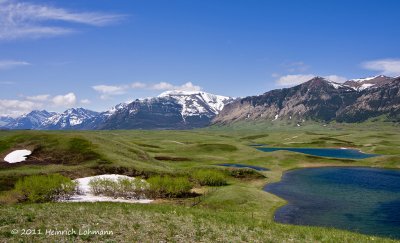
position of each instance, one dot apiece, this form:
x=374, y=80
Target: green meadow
x=236, y=211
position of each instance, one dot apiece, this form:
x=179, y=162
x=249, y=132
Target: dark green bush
x=209, y=177
x=244, y=173
x=166, y=186
x=45, y=188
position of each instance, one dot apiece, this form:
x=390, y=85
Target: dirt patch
x=254, y=137
x=167, y=158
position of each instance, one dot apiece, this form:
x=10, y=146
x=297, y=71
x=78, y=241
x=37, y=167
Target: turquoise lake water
x=324, y=152
x=365, y=200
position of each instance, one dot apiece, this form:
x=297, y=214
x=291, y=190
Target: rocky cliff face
x=318, y=99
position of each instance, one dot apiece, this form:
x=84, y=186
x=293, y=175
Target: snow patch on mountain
x=366, y=79
x=196, y=103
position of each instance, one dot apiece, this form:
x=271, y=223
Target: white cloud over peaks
x=290, y=80
x=16, y=108
x=390, y=67
x=189, y=86
x=336, y=78
x=294, y=79
x=162, y=86
x=66, y=100
x=7, y=64
x=107, y=91
x=29, y=20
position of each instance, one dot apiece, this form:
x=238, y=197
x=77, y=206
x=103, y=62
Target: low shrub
x=45, y=188
x=123, y=187
x=244, y=173
x=167, y=186
x=209, y=178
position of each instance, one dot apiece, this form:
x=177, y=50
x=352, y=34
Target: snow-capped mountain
x=32, y=120
x=195, y=103
x=360, y=84
x=74, y=118
x=170, y=110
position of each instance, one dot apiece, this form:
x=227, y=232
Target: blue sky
x=60, y=54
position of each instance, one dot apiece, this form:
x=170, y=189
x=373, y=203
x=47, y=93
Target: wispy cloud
x=294, y=79
x=85, y=102
x=390, y=67
x=296, y=67
x=28, y=20
x=8, y=64
x=44, y=97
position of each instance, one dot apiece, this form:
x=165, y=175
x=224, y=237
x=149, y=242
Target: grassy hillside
x=239, y=211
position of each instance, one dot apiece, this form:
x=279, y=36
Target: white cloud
x=66, y=100
x=44, y=97
x=390, y=67
x=336, y=78
x=162, y=86
x=293, y=79
x=85, y=101
x=7, y=64
x=189, y=86
x=138, y=85
x=28, y=20
x=16, y=108
x=110, y=90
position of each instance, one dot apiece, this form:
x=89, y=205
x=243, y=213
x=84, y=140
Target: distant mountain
x=4, y=120
x=33, y=120
x=320, y=100
x=74, y=118
x=170, y=110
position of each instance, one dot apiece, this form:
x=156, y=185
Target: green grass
x=237, y=212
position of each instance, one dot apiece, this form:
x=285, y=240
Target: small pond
x=365, y=200
x=341, y=153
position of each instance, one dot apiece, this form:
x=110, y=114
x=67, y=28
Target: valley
x=238, y=211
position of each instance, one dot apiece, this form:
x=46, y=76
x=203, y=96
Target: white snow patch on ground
x=86, y=195
x=17, y=156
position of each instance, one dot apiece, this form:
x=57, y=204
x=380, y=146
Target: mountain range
x=318, y=99
x=321, y=100
x=170, y=110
